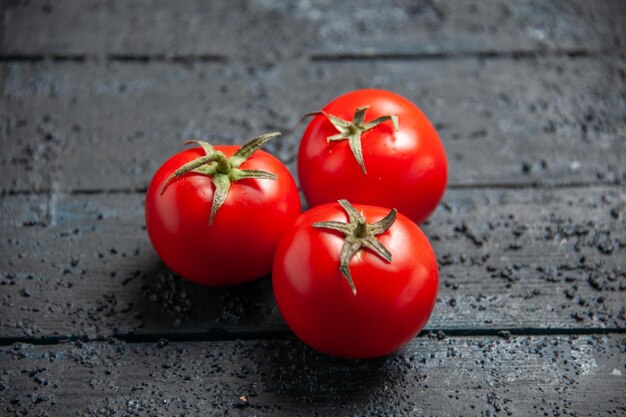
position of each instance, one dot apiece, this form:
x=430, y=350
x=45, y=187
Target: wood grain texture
x=581, y=376
x=85, y=126
x=265, y=31
x=82, y=266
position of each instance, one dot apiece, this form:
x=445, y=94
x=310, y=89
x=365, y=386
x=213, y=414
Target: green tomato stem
x=359, y=234
x=354, y=129
x=223, y=171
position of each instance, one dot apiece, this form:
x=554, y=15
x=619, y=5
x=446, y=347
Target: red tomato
x=406, y=169
x=393, y=300
x=240, y=243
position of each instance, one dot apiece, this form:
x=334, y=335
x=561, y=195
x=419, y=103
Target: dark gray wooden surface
x=495, y=108
x=529, y=99
x=526, y=258
x=521, y=375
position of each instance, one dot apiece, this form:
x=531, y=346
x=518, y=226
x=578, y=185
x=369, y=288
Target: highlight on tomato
x=355, y=281
x=215, y=214
x=373, y=147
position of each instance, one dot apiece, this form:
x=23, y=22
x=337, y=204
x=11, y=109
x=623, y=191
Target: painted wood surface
x=82, y=265
x=75, y=126
x=540, y=375
x=269, y=30
x=528, y=98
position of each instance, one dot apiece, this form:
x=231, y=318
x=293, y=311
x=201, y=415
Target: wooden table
x=528, y=97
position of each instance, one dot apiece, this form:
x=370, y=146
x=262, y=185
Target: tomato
x=218, y=223
x=351, y=290
x=351, y=150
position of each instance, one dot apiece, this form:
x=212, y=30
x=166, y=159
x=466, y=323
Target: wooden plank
x=84, y=126
x=509, y=259
x=88, y=106
x=26, y=210
x=507, y=122
x=539, y=375
x=266, y=31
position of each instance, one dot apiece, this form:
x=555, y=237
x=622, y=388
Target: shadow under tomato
x=295, y=374
x=167, y=302
x=289, y=372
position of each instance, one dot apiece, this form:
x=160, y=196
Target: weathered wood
x=523, y=376
x=95, y=94
x=275, y=30
x=85, y=126
x=517, y=259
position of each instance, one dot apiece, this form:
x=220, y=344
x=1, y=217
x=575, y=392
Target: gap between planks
x=315, y=56
x=226, y=336
x=422, y=56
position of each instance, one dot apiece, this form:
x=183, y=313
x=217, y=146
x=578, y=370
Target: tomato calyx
x=222, y=170
x=352, y=130
x=359, y=234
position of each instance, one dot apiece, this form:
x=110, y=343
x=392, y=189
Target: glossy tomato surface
x=405, y=169
x=393, y=300
x=239, y=246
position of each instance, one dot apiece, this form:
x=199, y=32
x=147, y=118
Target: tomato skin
x=393, y=301
x=239, y=246
x=406, y=170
